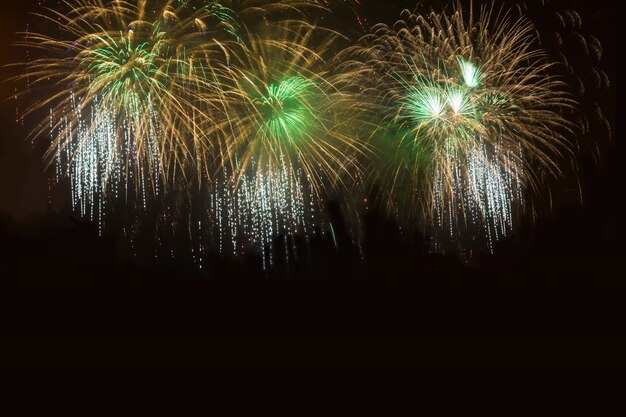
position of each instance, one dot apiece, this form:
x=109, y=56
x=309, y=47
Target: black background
x=547, y=298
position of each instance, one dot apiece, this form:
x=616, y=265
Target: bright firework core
x=284, y=109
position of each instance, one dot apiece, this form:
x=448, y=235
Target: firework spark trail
x=89, y=148
x=251, y=214
x=463, y=112
x=484, y=190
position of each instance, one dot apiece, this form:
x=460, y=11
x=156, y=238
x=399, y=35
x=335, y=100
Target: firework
x=122, y=81
x=465, y=116
x=281, y=146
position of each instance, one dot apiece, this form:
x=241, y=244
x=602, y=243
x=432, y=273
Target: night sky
x=547, y=298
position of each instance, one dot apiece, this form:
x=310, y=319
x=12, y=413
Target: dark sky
x=554, y=283
x=23, y=184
